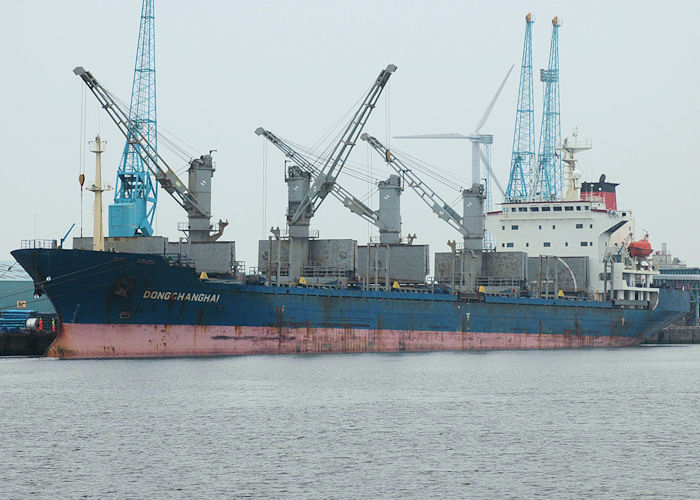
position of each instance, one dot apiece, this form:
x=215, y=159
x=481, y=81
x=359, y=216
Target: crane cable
x=337, y=127
x=387, y=116
x=81, y=166
x=370, y=190
x=353, y=169
x=172, y=143
x=264, y=189
x=439, y=174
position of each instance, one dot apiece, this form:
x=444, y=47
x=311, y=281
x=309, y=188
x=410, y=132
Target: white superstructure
x=578, y=228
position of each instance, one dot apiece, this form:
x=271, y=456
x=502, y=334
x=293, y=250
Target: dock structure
x=687, y=278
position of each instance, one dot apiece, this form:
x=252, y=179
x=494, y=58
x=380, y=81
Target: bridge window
x=509, y=245
x=578, y=207
x=534, y=209
x=553, y=226
x=522, y=209
x=569, y=209
x=584, y=243
x=545, y=209
x=579, y=226
x=557, y=209
x=514, y=228
x=547, y=244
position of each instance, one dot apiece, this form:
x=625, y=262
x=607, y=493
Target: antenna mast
x=98, y=237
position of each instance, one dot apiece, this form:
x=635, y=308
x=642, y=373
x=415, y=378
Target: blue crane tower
x=136, y=194
x=550, y=182
x=522, y=162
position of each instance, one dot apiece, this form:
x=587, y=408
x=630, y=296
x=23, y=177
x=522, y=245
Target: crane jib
x=341, y=194
x=344, y=146
x=438, y=205
x=166, y=177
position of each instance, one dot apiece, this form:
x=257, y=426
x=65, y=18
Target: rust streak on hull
x=127, y=341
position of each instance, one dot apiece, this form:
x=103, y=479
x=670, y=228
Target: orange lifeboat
x=641, y=248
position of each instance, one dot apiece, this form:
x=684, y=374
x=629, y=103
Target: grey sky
x=629, y=80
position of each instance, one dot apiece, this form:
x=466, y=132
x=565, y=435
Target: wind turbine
x=477, y=140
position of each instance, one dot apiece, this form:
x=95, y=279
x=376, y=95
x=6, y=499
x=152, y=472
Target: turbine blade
x=433, y=136
x=493, y=175
x=492, y=103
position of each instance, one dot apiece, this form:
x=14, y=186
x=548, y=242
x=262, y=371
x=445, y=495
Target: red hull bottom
x=136, y=341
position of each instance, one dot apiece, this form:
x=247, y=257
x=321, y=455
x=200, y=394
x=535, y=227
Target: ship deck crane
x=438, y=205
x=344, y=196
x=308, y=185
x=470, y=225
x=324, y=181
x=166, y=177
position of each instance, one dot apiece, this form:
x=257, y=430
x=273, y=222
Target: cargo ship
x=558, y=272
x=121, y=303
x=145, y=305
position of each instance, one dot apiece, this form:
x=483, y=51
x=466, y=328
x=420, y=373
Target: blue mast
x=136, y=194
x=549, y=168
x=523, y=158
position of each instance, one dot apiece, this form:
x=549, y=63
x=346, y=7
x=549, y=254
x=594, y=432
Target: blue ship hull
x=134, y=305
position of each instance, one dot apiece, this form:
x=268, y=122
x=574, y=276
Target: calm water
x=591, y=423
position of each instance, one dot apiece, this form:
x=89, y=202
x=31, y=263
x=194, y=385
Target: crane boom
x=147, y=151
x=323, y=184
x=344, y=196
x=430, y=197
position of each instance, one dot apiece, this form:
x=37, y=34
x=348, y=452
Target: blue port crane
x=136, y=194
x=522, y=162
x=549, y=178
